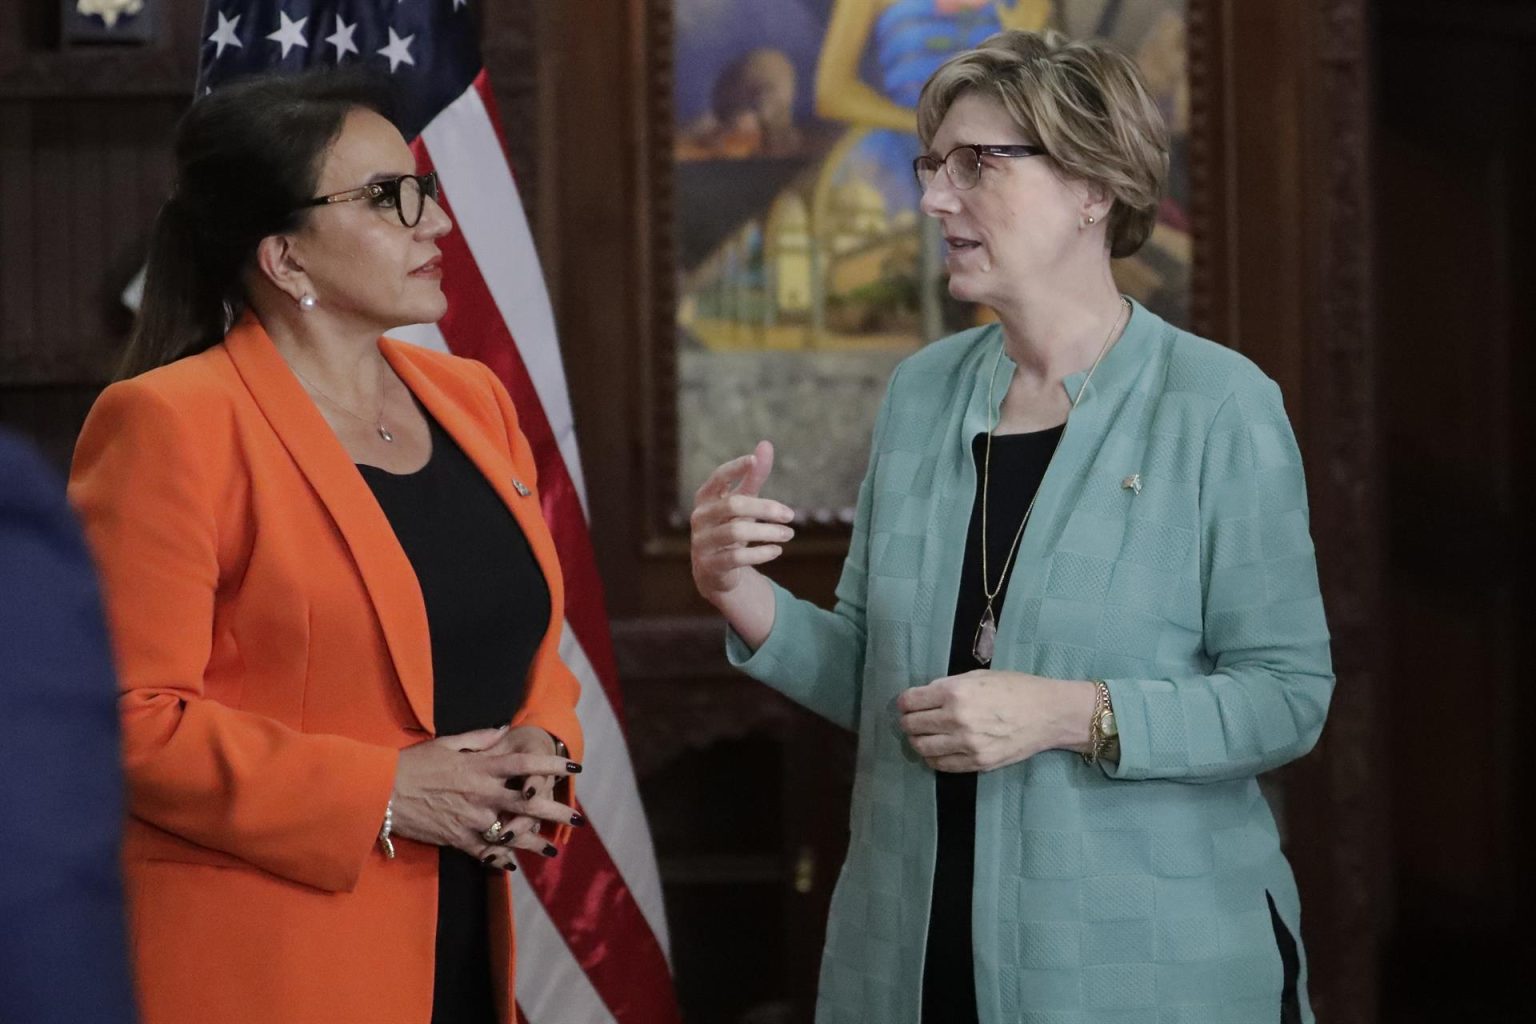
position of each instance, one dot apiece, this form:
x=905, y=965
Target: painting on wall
x=801, y=269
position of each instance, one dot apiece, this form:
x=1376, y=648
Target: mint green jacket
x=1152, y=890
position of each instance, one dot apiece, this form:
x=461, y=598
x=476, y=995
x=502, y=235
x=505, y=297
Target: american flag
x=591, y=934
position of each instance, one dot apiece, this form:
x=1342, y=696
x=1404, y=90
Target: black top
x=1018, y=465
x=487, y=609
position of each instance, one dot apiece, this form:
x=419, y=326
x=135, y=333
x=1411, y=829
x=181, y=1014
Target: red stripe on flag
x=608, y=934
x=476, y=330
x=584, y=893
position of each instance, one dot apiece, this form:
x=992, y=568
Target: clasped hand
x=449, y=791
x=982, y=720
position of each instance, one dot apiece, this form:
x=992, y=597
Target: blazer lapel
x=381, y=562
x=479, y=445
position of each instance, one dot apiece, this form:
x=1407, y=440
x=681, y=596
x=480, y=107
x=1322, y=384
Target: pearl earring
x=1089, y=221
x=308, y=303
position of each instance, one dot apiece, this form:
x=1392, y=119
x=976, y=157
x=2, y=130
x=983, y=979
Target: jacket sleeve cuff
x=811, y=656
x=767, y=663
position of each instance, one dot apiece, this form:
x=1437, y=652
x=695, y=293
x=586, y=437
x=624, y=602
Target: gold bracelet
x=1098, y=741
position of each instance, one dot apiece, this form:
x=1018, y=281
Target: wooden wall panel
x=50, y=416
x=1456, y=176
x=83, y=180
x=84, y=163
x=509, y=47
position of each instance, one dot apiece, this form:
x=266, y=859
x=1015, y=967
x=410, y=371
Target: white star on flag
x=290, y=33
x=342, y=38
x=398, y=51
x=224, y=35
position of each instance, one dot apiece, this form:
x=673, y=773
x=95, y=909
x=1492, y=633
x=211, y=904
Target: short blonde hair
x=1083, y=102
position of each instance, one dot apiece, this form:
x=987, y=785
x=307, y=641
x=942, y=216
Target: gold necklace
x=985, y=644
x=377, y=423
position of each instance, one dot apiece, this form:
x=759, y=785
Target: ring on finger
x=535, y=829
x=494, y=833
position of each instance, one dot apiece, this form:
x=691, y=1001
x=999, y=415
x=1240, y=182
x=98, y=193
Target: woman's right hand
x=450, y=789
x=734, y=530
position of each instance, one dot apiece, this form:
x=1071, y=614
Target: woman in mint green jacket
x=1079, y=613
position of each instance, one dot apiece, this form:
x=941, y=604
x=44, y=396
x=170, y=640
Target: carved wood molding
x=657, y=258
x=1210, y=298
x=682, y=695
x=1346, y=858
x=672, y=647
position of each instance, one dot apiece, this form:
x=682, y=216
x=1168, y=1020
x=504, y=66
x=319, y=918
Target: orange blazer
x=274, y=657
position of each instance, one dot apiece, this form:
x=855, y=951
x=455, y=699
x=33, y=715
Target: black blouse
x=488, y=607
x=1019, y=462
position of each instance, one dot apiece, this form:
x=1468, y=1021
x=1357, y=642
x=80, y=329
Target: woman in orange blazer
x=335, y=604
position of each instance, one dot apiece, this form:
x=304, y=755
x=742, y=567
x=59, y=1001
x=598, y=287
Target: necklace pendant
x=985, y=644
x=385, y=434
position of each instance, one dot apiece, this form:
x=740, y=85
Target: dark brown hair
x=246, y=157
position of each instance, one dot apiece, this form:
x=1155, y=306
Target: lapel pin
x=1132, y=483
x=520, y=487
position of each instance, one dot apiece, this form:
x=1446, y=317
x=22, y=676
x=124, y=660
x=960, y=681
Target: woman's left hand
x=987, y=719
x=537, y=790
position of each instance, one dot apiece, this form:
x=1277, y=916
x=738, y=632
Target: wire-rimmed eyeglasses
x=963, y=163
x=407, y=195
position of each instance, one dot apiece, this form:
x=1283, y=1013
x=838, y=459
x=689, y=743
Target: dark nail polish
x=549, y=850
x=528, y=793
x=578, y=821
x=573, y=767
x=487, y=858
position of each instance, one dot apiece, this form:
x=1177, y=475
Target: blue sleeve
x=63, y=956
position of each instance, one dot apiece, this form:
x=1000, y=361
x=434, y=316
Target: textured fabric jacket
x=274, y=656
x=1152, y=890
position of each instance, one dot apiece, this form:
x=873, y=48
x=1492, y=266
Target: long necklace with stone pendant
x=985, y=643
x=984, y=646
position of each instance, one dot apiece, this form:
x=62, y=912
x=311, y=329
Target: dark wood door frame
x=1283, y=260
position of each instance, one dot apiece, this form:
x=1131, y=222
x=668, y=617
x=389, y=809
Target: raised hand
x=735, y=530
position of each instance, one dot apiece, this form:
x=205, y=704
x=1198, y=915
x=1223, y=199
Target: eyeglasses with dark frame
x=963, y=163
x=407, y=195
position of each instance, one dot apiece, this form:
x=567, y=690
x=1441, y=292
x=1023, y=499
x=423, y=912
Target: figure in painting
x=751, y=112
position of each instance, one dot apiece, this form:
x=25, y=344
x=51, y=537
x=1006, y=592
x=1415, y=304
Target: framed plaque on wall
x=106, y=21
